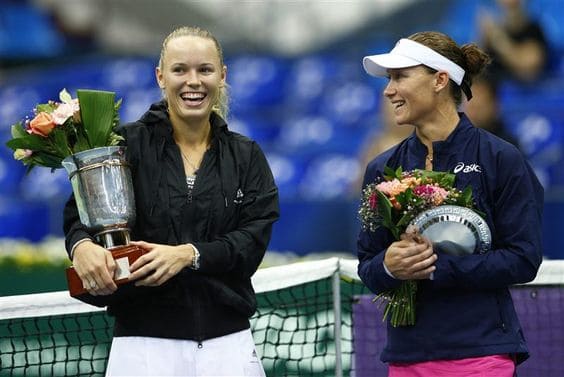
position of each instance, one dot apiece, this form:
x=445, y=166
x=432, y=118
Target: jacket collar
x=462, y=128
x=158, y=117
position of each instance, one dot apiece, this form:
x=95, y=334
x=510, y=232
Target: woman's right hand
x=410, y=259
x=96, y=267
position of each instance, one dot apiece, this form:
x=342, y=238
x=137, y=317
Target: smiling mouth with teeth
x=195, y=97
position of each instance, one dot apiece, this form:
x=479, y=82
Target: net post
x=338, y=323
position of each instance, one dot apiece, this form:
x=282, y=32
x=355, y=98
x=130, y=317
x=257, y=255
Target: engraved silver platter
x=454, y=230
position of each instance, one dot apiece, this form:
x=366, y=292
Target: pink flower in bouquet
x=373, y=201
x=392, y=188
x=431, y=193
x=62, y=128
x=65, y=110
x=42, y=124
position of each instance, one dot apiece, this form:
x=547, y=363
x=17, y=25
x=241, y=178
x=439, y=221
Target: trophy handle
x=124, y=257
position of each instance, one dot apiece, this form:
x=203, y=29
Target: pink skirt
x=487, y=366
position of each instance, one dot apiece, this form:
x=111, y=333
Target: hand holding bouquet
x=393, y=202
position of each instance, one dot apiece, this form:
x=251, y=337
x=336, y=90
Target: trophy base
x=124, y=257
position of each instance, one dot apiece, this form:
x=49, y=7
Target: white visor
x=408, y=53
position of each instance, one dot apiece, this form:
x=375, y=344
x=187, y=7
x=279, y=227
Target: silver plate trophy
x=454, y=230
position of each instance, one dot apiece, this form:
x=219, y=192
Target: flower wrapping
x=62, y=128
x=392, y=202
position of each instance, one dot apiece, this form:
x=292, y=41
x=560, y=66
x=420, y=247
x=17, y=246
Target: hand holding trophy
x=103, y=191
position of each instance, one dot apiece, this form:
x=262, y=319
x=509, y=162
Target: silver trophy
x=103, y=190
x=454, y=230
x=102, y=186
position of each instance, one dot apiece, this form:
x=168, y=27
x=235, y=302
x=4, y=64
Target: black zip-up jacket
x=228, y=218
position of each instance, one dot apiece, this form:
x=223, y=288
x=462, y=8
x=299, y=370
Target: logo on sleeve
x=469, y=168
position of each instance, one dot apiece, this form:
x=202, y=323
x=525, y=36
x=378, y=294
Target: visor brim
x=377, y=65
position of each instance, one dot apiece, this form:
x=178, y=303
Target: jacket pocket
x=224, y=215
x=501, y=312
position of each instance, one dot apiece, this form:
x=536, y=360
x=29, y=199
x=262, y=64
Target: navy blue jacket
x=466, y=310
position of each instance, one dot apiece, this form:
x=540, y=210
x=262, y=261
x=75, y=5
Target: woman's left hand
x=159, y=263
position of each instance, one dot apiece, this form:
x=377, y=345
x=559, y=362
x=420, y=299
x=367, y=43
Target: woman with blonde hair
x=205, y=204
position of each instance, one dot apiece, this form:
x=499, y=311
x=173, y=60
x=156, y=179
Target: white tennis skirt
x=229, y=355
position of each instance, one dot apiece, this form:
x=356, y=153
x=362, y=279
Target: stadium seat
x=308, y=78
x=287, y=171
x=255, y=81
x=329, y=176
x=26, y=31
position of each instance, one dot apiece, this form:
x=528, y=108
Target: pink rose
x=64, y=111
x=433, y=194
x=392, y=188
x=42, y=124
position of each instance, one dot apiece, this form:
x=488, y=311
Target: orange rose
x=42, y=124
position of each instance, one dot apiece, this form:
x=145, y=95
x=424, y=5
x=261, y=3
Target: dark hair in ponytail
x=468, y=56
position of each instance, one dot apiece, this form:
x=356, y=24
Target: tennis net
x=313, y=319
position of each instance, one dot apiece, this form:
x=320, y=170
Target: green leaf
x=81, y=143
x=467, y=196
x=97, y=110
x=389, y=173
x=399, y=172
x=28, y=141
x=385, y=211
x=447, y=180
x=60, y=142
x=404, y=220
x=115, y=139
x=18, y=130
x=444, y=179
x=46, y=159
x=45, y=108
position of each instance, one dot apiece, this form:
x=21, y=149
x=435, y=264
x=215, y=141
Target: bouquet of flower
x=393, y=202
x=60, y=129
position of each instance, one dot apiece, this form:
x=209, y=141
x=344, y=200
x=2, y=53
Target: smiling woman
x=205, y=203
x=428, y=73
x=192, y=76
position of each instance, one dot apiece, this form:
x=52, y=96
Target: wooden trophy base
x=124, y=257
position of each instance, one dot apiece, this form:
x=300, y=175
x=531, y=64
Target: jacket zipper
x=200, y=336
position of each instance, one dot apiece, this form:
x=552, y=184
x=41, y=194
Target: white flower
x=64, y=111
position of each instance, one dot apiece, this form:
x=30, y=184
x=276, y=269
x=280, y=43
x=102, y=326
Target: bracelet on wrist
x=196, y=260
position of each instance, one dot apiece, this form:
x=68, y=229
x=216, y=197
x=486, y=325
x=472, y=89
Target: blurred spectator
x=484, y=108
x=77, y=20
x=386, y=135
x=516, y=43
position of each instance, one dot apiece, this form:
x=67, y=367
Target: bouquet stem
x=400, y=304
